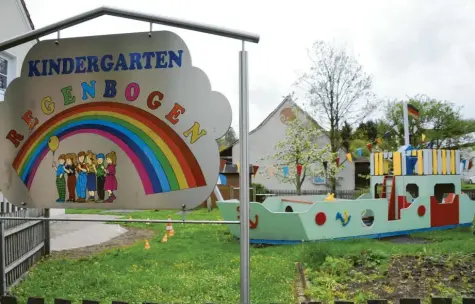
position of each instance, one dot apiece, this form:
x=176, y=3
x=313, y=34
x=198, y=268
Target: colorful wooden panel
x=427, y=157
x=376, y=163
x=381, y=163
x=371, y=164
x=443, y=162
x=435, y=169
x=452, y=162
x=420, y=163
x=457, y=162
x=397, y=163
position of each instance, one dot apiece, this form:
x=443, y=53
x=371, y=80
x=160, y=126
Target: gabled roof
x=27, y=13
x=288, y=98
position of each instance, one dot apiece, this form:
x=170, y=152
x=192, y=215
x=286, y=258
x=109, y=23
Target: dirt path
x=126, y=239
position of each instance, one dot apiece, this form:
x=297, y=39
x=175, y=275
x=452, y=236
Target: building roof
x=287, y=98
x=27, y=13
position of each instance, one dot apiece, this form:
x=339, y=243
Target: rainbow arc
x=163, y=161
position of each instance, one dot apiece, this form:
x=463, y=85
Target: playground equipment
x=411, y=191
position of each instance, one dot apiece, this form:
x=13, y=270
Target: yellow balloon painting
x=53, y=143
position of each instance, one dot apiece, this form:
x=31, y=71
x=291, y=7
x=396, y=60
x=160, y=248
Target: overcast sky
x=410, y=47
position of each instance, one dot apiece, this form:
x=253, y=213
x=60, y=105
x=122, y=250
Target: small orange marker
x=169, y=228
x=165, y=238
x=147, y=244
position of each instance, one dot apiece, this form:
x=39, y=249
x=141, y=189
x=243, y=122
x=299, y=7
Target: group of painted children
x=95, y=173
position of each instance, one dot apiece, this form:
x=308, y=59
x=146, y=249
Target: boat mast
x=406, y=124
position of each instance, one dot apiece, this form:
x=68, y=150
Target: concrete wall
x=263, y=141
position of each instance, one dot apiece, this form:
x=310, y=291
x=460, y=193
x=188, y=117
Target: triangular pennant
x=396, y=128
x=299, y=169
x=238, y=167
x=286, y=171
x=359, y=151
x=349, y=157
x=470, y=164
x=337, y=161
x=254, y=169
x=379, y=141
x=423, y=137
x=387, y=134
x=370, y=147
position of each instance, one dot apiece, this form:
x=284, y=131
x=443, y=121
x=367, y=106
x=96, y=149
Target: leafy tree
x=367, y=130
x=228, y=139
x=298, y=147
x=440, y=121
x=346, y=133
x=337, y=90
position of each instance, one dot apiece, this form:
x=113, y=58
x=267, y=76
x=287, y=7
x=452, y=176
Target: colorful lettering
x=29, y=119
x=195, y=132
x=110, y=90
x=14, y=137
x=152, y=102
x=88, y=89
x=68, y=97
x=176, y=111
x=47, y=105
x=132, y=91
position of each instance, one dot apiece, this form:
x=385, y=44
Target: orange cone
x=169, y=228
x=147, y=244
x=165, y=238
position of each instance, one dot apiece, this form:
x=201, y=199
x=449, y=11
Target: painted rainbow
x=162, y=159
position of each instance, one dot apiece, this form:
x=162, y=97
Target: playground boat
x=411, y=191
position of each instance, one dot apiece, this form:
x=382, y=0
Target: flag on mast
x=413, y=111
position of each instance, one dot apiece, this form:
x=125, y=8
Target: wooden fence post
x=46, y=227
x=3, y=277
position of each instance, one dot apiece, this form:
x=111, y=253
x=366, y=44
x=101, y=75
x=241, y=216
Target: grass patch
x=201, y=264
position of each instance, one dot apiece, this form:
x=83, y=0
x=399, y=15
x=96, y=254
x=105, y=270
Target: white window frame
x=11, y=71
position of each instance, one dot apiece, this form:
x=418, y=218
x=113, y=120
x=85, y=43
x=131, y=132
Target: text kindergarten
x=131, y=92
x=106, y=63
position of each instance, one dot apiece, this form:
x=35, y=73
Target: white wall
x=13, y=22
x=263, y=141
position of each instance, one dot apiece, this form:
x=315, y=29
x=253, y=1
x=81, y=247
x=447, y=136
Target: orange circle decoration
x=421, y=211
x=320, y=218
x=286, y=115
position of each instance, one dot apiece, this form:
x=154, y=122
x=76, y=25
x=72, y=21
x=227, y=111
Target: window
x=413, y=191
x=3, y=73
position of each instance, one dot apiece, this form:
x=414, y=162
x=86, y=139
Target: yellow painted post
x=376, y=163
x=381, y=163
x=452, y=161
x=420, y=163
x=434, y=162
x=397, y=163
x=444, y=162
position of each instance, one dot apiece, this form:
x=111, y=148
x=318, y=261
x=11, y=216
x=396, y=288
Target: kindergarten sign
x=117, y=121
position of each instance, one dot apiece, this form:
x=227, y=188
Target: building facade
x=262, y=141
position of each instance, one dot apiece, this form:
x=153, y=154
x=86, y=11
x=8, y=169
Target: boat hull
x=310, y=218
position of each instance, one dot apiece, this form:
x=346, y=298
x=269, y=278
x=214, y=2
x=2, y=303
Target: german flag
x=413, y=111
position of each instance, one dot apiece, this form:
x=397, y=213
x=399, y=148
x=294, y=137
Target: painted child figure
x=60, y=179
x=70, y=169
x=82, y=178
x=101, y=176
x=111, y=180
x=91, y=175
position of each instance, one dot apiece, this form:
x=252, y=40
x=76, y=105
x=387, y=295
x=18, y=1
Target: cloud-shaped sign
x=117, y=121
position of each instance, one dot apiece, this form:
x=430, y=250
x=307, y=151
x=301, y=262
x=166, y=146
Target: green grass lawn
x=201, y=264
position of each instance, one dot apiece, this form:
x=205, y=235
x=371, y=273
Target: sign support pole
x=244, y=174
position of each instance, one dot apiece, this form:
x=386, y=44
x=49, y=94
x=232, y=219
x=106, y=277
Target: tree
x=346, y=134
x=228, y=139
x=299, y=147
x=440, y=121
x=367, y=130
x=337, y=90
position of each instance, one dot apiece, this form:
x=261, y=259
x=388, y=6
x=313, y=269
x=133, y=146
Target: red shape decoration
x=299, y=170
x=254, y=169
x=421, y=210
x=320, y=218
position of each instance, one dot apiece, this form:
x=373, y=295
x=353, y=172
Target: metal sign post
x=244, y=107
x=244, y=174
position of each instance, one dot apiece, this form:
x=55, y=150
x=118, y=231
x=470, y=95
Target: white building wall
x=262, y=143
x=13, y=22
